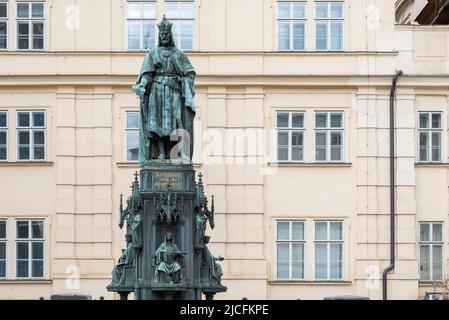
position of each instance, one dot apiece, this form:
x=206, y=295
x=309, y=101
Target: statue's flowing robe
x=169, y=97
x=215, y=269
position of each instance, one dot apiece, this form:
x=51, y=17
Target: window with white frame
x=290, y=136
x=30, y=25
x=290, y=242
x=291, y=25
x=31, y=134
x=328, y=250
x=329, y=25
x=430, y=132
x=141, y=25
x=182, y=15
x=30, y=243
x=431, y=251
x=3, y=135
x=3, y=24
x=3, y=244
x=132, y=136
x=329, y=136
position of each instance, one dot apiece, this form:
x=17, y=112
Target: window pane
x=297, y=120
x=37, y=269
x=336, y=153
x=336, y=139
x=424, y=257
x=283, y=10
x=321, y=231
x=298, y=36
x=423, y=146
x=321, y=36
x=424, y=120
x=22, y=269
x=38, y=43
x=436, y=139
x=148, y=35
x=320, y=261
x=133, y=42
x=320, y=138
x=132, y=142
x=284, y=35
x=336, y=10
x=24, y=137
x=282, y=153
x=282, y=138
x=297, y=230
x=3, y=153
x=336, y=35
x=37, y=250
x=320, y=120
x=321, y=9
x=282, y=261
x=37, y=229
x=3, y=10
x=297, y=261
x=299, y=10
x=336, y=120
x=24, y=119
x=171, y=10
x=282, y=120
x=283, y=231
x=2, y=250
x=297, y=138
x=39, y=137
x=37, y=10
x=336, y=261
x=437, y=232
x=437, y=260
x=22, y=230
x=320, y=154
x=297, y=153
x=3, y=121
x=2, y=138
x=22, y=250
x=187, y=10
x=38, y=118
x=149, y=10
x=424, y=232
x=134, y=28
x=2, y=229
x=132, y=120
x=3, y=269
x=24, y=153
x=134, y=10
x=23, y=10
x=336, y=231
x=39, y=153
x=186, y=35
x=436, y=120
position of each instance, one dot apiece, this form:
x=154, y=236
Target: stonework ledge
x=26, y=281
x=27, y=164
x=311, y=164
x=432, y=165
x=306, y=282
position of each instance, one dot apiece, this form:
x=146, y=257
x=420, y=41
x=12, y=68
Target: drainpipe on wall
x=392, y=186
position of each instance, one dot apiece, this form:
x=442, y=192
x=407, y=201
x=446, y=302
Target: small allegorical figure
x=126, y=259
x=215, y=270
x=168, y=267
x=136, y=231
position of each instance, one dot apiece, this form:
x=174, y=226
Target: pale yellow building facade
x=302, y=206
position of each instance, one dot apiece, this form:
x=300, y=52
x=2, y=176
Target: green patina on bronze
x=167, y=214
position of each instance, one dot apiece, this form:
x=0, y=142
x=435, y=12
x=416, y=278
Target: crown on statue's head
x=165, y=24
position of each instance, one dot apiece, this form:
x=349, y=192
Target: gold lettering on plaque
x=164, y=179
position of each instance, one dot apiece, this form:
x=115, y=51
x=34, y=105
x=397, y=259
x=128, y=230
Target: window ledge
x=26, y=164
x=432, y=164
x=430, y=283
x=310, y=164
x=308, y=282
x=127, y=164
x=25, y=281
